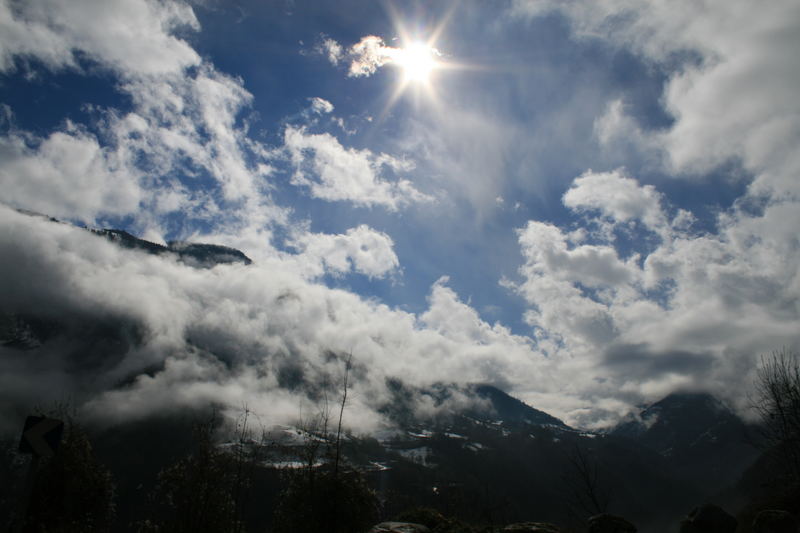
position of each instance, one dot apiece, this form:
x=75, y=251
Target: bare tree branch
x=777, y=400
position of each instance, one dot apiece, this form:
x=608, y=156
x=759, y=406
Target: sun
x=417, y=60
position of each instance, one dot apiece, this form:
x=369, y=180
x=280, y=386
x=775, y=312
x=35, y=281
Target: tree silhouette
x=72, y=491
x=587, y=495
x=325, y=496
x=202, y=492
x=777, y=399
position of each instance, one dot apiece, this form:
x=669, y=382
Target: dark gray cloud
x=640, y=361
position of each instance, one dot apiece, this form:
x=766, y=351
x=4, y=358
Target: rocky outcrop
x=773, y=521
x=609, y=523
x=198, y=255
x=399, y=527
x=708, y=518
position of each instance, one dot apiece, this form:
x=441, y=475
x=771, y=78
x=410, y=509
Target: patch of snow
x=288, y=464
x=380, y=467
x=475, y=446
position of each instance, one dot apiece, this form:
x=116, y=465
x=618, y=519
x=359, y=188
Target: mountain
x=700, y=437
x=459, y=403
x=484, y=455
x=511, y=410
x=194, y=254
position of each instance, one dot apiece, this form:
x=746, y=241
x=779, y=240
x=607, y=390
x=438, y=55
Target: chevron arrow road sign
x=41, y=436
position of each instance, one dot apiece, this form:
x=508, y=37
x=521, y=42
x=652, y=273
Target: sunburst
x=418, y=60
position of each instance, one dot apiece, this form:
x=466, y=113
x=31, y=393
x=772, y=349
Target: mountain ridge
x=697, y=434
x=201, y=255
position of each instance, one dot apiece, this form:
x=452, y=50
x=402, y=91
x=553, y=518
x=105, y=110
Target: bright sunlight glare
x=417, y=60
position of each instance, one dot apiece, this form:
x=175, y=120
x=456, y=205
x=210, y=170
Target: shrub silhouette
x=199, y=493
x=323, y=500
x=72, y=491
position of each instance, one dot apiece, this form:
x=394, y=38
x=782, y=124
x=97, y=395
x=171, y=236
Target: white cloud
x=699, y=308
x=617, y=324
x=618, y=197
x=361, y=249
x=335, y=173
x=230, y=333
x=320, y=105
x=332, y=50
x=552, y=273
x=369, y=54
x=366, y=56
x=129, y=36
x=621, y=136
x=459, y=322
x=732, y=293
x=191, y=117
x=67, y=174
x=734, y=96
x=184, y=122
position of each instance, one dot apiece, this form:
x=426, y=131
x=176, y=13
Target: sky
x=588, y=203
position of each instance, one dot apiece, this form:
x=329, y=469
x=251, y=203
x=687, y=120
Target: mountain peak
x=689, y=400
x=198, y=255
x=513, y=410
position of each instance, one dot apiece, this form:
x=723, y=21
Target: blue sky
x=572, y=185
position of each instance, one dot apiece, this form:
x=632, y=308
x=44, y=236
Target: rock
x=609, y=523
x=399, y=527
x=708, y=518
x=773, y=521
x=531, y=527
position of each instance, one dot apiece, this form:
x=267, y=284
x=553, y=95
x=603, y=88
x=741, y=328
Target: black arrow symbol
x=35, y=436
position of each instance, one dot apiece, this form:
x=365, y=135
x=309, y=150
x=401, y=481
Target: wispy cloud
x=335, y=173
x=371, y=53
x=184, y=125
x=331, y=49
x=320, y=106
x=133, y=38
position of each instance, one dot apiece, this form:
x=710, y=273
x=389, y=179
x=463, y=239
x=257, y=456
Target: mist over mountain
x=104, y=317
x=132, y=370
x=126, y=328
x=699, y=437
x=193, y=254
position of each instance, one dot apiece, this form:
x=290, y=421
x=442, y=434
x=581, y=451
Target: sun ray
x=416, y=56
x=417, y=61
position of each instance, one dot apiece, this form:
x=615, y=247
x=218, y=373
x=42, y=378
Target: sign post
x=40, y=438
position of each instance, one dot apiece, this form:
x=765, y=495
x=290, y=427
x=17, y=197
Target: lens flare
x=417, y=60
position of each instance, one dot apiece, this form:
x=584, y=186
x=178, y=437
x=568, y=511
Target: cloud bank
x=126, y=334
